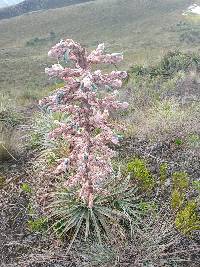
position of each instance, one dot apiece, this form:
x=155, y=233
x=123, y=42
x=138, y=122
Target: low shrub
x=177, y=199
x=2, y=181
x=139, y=171
x=25, y=187
x=193, y=140
x=196, y=185
x=190, y=37
x=171, y=64
x=187, y=219
x=37, y=225
x=9, y=119
x=37, y=41
x=180, y=181
x=163, y=169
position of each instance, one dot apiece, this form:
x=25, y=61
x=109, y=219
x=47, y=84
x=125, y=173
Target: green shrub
x=141, y=173
x=37, y=225
x=163, y=172
x=178, y=141
x=8, y=113
x=10, y=118
x=187, y=220
x=171, y=64
x=180, y=181
x=28, y=95
x=26, y=188
x=37, y=41
x=147, y=207
x=177, y=199
x=196, y=185
x=9, y=142
x=190, y=37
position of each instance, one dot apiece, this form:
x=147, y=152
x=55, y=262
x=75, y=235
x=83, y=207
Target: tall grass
x=9, y=143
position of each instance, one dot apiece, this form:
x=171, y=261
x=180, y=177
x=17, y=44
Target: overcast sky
x=9, y=2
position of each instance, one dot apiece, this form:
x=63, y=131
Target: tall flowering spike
x=88, y=131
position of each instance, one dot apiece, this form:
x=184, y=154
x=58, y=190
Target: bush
x=37, y=41
x=180, y=181
x=177, y=199
x=37, y=225
x=163, y=172
x=171, y=64
x=10, y=143
x=25, y=187
x=187, y=220
x=141, y=173
x=9, y=119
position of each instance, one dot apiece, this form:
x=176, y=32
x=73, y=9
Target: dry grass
x=157, y=244
x=166, y=120
x=9, y=141
x=163, y=109
x=9, y=144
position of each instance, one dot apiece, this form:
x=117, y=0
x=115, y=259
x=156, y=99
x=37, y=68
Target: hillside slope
x=143, y=29
x=34, y=5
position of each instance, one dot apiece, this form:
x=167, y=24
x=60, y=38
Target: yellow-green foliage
x=37, y=225
x=177, y=199
x=180, y=181
x=146, y=207
x=26, y=188
x=163, y=172
x=187, y=219
x=138, y=169
x=2, y=181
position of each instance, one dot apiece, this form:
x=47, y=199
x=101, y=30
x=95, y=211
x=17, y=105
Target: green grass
x=144, y=30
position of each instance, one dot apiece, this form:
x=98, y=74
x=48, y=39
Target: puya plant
x=87, y=130
x=87, y=98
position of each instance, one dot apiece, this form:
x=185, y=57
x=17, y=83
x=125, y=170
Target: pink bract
x=88, y=131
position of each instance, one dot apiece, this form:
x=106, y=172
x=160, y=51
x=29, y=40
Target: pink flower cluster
x=87, y=131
